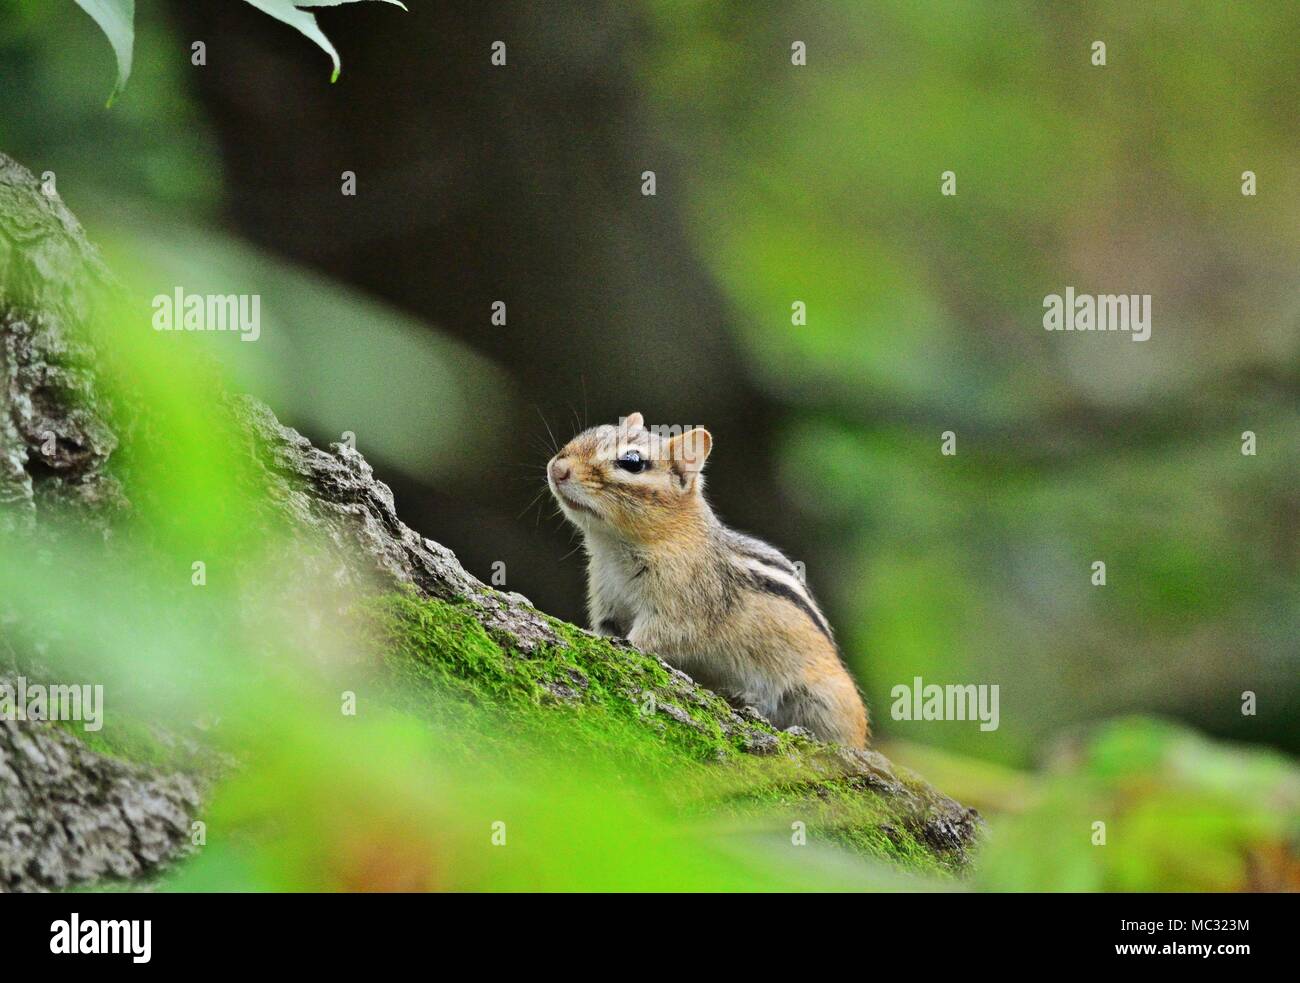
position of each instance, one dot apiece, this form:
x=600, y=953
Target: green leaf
x=288, y=12
x=116, y=18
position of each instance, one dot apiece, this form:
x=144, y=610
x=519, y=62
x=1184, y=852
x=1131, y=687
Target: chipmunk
x=664, y=572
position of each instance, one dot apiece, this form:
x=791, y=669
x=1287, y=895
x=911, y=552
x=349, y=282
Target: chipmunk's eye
x=632, y=461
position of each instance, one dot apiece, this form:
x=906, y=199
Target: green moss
x=592, y=697
x=443, y=648
x=625, y=714
x=129, y=739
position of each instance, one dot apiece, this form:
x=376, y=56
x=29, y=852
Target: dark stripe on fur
x=772, y=559
x=777, y=589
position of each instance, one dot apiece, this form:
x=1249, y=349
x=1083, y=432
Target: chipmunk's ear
x=689, y=451
x=632, y=421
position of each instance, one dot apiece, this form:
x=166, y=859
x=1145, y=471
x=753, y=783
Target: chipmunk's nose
x=560, y=470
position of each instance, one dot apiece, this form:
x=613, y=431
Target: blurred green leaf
x=116, y=19
x=323, y=350
x=288, y=12
x=1179, y=812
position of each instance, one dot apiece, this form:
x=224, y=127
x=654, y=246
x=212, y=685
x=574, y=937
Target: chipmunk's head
x=639, y=483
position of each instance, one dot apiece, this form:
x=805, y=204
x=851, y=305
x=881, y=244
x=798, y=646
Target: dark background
x=481, y=185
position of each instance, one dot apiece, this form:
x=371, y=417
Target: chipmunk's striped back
x=773, y=573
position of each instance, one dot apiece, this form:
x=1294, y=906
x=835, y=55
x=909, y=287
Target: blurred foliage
x=288, y=12
x=387, y=804
x=153, y=147
x=116, y=18
x=325, y=350
x=822, y=184
x=1180, y=814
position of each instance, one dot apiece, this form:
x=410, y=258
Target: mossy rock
x=603, y=698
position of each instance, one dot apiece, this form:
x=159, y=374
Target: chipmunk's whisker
x=555, y=444
x=531, y=502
